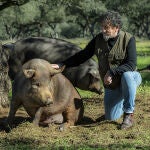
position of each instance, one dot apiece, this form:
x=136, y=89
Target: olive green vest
x=109, y=59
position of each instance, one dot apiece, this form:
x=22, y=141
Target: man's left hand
x=108, y=79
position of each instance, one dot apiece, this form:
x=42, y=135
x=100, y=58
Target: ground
x=90, y=134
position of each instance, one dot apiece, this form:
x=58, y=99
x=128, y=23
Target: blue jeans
x=122, y=99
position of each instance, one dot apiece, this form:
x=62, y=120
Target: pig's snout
x=98, y=91
x=46, y=97
x=48, y=101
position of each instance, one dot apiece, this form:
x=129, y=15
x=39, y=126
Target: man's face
x=109, y=31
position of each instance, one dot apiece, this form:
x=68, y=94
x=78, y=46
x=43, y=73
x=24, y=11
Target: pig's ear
x=94, y=73
x=29, y=73
x=54, y=71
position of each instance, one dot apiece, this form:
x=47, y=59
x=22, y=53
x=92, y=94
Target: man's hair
x=111, y=18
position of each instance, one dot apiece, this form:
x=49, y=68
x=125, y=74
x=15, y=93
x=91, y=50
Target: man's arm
x=81, y=56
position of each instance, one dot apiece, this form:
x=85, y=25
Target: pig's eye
x=37, y=84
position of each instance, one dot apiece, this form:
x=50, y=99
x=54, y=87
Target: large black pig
x=85, y=76
x=46, y=94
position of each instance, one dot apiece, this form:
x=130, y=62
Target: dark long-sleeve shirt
x=129, y=64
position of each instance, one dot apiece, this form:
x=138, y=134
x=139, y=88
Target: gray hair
x=111, y=18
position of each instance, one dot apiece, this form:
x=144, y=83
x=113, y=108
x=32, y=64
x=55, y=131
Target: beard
x=107, y=37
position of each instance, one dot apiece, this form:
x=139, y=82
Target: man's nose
x=103, y=30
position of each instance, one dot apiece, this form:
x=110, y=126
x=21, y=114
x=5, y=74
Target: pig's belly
x=57, y=119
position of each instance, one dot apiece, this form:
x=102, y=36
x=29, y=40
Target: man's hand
x=108, y=79
x=56, y=66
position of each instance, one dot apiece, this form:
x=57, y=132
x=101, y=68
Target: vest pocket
x=110, y=57
x=119, y=56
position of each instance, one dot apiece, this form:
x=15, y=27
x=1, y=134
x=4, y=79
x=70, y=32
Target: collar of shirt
x=112, y=41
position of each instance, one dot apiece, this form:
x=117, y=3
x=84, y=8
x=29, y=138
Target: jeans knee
x=138, y=79
x=126, y=75
x=130, y=78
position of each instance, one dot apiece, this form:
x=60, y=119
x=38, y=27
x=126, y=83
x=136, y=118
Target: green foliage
x=143, y=60
x=5, y=3
x=70, y=31
x=7, y=22
x=31, y=18
x=143, y=48
x=28, y=13
x=88, y=13
x=138, y=13
x=92, y=8
x=18, y=20
x=56, y=15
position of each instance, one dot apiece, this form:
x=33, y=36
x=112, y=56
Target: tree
x=87, y=13
x=5, y=84
x=5, y=3
x=139, y=16
x=18, y=20
x=31, y=18
x=137, y=12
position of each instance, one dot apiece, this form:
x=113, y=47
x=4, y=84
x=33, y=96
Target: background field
x=90, y=134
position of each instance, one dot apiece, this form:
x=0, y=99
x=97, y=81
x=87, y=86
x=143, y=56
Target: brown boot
x=127, y=121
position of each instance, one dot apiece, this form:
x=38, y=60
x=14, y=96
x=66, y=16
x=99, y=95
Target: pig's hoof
x=61, y=127
x=7, y=128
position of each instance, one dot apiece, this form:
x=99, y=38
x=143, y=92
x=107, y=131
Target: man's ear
x=29, y=73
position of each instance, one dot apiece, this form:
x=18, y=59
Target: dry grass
x=88, y=135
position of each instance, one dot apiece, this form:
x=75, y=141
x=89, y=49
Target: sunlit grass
x=143, y=46
x=143, y=61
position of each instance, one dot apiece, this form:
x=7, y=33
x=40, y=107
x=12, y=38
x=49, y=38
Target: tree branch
x=5, y=3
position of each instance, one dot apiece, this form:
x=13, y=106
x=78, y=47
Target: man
x=116, y=53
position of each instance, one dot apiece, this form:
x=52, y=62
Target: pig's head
x=91, y=81
x=94, y=82
x=39, y=74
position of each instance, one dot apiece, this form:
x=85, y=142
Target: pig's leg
x=37, y=117
x=69, y=116
x=13, y=108
x=46, y=118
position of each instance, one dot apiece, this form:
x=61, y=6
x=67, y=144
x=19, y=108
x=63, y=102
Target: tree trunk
x=5, y=83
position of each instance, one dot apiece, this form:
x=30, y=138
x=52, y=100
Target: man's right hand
x=108, y=78
x=56, y=66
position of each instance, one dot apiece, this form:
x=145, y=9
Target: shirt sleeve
x=81, y=56
x=129, y=64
